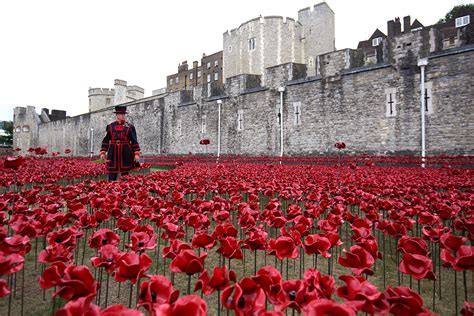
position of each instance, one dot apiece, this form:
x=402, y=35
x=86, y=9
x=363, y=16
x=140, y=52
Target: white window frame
x=177, y=80
x=208, y=65
x=203, y=124
x=208, y=78
x=171, y=81
x=240, y=120
x=179, y=127
x=216, y=76
x=199, y=73
x=191, y=76
x=18, y=129
x=297, y=109
x=376, y=41
x=252, y=43
x=216, y=63
x=463, y=21
x=391, y=92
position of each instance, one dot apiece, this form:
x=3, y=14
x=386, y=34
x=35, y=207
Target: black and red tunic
x=120, y=143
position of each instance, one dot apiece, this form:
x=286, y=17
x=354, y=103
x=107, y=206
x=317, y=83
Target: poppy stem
x=464, y=281
x=255, y=263
x=131, y=293
x=189, y=284
x=10, y=281
x=439, y=269
x=107, y=289
x=84, y=247
x=383, y=261
x=138, y=292
x=22, y=288
x=434, y=293
x=218, y=302
x=456, y=292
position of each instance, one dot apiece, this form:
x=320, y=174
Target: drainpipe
x=219, y=104
x=281, y=90
x=422, y=64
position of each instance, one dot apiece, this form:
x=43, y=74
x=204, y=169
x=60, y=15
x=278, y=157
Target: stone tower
x=318, y=36
x=101, y=98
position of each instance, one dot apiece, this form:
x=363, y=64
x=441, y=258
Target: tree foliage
x=455, y=11
x=8, y=137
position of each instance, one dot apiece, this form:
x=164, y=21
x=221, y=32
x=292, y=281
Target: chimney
x=195, y=64
x=406, y=24
x=394, y=27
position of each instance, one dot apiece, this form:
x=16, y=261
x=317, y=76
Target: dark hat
x=120, y=109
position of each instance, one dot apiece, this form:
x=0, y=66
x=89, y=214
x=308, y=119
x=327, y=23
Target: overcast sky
x=51, y=52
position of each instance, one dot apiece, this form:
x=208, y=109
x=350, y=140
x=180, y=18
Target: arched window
x=18, y=129
x=26, y=128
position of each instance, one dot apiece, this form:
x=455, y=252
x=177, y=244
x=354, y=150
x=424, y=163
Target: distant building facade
x=101, y=98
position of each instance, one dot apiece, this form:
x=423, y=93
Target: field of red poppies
x=331, y=238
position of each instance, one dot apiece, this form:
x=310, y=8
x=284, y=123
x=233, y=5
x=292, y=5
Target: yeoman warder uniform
x=121, y=145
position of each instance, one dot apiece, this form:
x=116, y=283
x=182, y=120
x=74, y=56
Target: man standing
x=121, y=145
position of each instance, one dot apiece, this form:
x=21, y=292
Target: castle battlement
x=101, y=91
x=261, y=20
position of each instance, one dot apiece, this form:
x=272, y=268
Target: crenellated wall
x=374, y=109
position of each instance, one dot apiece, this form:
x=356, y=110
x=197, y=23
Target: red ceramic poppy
x=324, y=286
x=358, y=259
x=106, y=258
x=52, y=275
x=13, y=162
x=141, y=241
x=76, y=282
x=188, y=305
x=204, y=142
x=363, y=295
x=131, y=266
x=418, y=266
x=81, y=306
x=244, y=298
x=16, y=244
x=230, y=248
x=327, y=307
x=175, y=248
x=67, y=151
x=340, y=145
x=103, y=237
x=55, y=253
x=220, y=280
x=188, y=262
x=413, y=245
x=283, y=247
x=403, y=301
x=203, y=240
x=120, y=310
x=270, y=280
x=4, y=290
x=157, y=290
x=463, y=259
x=317, y=244
x=452, y=242
x=10, y=263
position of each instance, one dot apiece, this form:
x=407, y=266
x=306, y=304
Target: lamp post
x=92, y=142
x=281, y=90
x=219, y=104
x=422, y=64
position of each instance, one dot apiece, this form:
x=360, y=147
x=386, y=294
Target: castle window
x=297, y=113
x=463, y=21
x=208, y=77
x=203, y=124
x=240, y=120
x=252, y=43
x=191, y=76
x=216, y=63
x=199, y=73
x=177, y=79
x=107, y=101
x=26, y=128
x=229, y=49
x=428, y=96
x=216, y=76
x=179, y=128
x=209, y=65
x=310, y=62
x=376, y=41
x=18, y=129
x=171, y=82
x=391, y=102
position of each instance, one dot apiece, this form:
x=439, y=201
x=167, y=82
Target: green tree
x=8, y=137
x=455, y=11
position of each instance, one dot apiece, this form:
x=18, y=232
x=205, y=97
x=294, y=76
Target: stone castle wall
x=349, y=105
